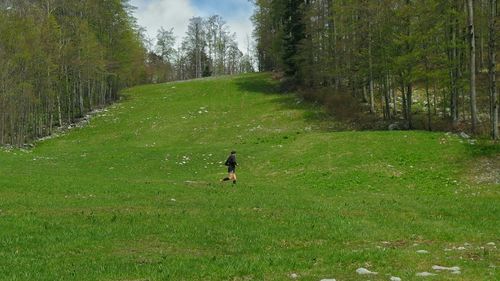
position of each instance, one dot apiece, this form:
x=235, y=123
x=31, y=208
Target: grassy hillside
x=135, y=195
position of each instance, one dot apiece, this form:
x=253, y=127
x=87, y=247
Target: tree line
x=207, y=49
x=60, y=60
x=402, y=58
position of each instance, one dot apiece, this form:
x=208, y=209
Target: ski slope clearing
x=135, y=195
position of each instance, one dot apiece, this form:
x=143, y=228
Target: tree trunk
x=80, y=95
x=454, y=78
x=382, y=100
x=387, y=97
x=428, y=104
x=403, y=94
x=409, y=100
x=472, y=45
x=492, y=70
x=409, y=91
x=2, y=112
x=89, y=93
x=336, y=58
x=394, y=97
x=372, y=98
x=59, y=113
x=365, y=96
x=434, y=105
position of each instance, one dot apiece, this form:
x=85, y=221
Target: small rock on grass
x=422, y=252
x=491, y=244
x=464, y=135
x=438, y=267
x=294, y=276
x=425, y=274
x=364, y=271
x=328, y=280
x=394, y=278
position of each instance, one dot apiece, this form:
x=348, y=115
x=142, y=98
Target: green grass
x=113, y=201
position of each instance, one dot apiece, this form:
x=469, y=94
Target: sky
x=153, y=14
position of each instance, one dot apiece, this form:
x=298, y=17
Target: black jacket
x=231, y=161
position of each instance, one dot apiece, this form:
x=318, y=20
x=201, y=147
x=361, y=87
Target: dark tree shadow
x=259, y=83
x=314, y=112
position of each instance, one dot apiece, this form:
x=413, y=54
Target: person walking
x=231, y=167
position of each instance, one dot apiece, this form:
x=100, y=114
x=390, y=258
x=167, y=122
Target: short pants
x=231, y=169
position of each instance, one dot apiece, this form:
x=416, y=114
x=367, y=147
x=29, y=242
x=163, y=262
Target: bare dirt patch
x=486, y=170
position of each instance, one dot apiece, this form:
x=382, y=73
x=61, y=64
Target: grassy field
x=135, y=195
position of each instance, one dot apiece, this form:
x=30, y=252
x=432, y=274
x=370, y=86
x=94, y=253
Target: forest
x=412, y=64
x=427, y=64
x=208, y=49
x=60, y=60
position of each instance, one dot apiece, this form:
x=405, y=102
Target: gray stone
x=364, y=271
x=425, y=274
x=464, y=135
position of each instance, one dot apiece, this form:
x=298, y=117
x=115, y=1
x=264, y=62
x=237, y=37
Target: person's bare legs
x=231, y=177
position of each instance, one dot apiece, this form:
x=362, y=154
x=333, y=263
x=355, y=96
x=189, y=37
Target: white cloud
x=153, y=14
x=168, y=14
x=243, y=28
